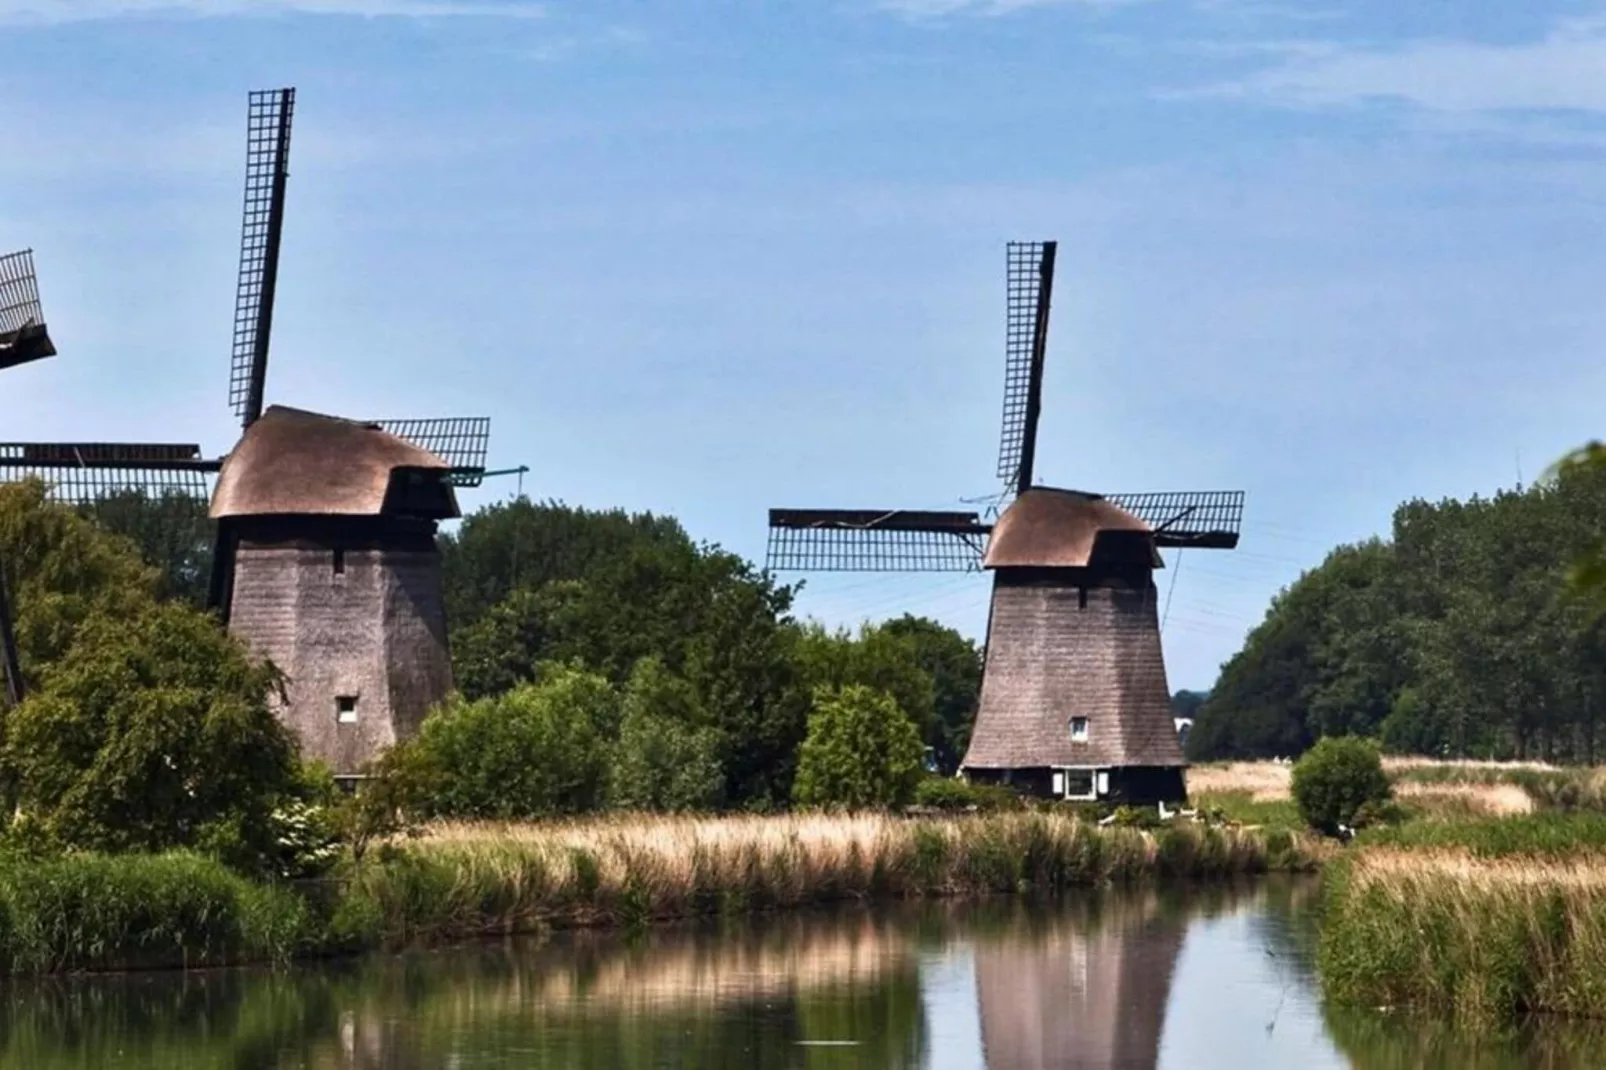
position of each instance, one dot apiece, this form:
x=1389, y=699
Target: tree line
x=1470, y=631
x=603, y=660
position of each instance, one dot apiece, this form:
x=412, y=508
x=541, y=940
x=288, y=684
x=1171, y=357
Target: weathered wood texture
x=374, y=632
x=1058, y=650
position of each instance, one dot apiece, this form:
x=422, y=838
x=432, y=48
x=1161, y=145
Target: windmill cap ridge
x=1047, y=527
x=297, y=462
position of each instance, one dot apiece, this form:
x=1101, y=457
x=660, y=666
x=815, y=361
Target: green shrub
x=668, y=757
x=1337, y=777
x=861, y=751
x=944, y=793
x=538, y=750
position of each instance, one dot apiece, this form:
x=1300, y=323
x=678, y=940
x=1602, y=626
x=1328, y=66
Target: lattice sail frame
x=857, y=540
x=461, y=441
x=1184, y=519
x=84, y=473
x=22, y=320
x=267, y=159
x=849, y=540
x=1028, y=286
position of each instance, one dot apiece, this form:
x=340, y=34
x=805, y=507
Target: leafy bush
x=861, y=751
x=944, y=793
x=1336, y=778
x=153, y=731
x=540, y=749
x=668, y=757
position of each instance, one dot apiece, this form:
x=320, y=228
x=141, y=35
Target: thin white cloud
x=1561, y=71
x=51, y=12
x=936, y=9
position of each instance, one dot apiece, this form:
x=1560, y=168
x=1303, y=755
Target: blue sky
x=709, y=257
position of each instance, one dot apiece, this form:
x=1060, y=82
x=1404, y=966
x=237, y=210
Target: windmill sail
x=1029, y=287
x=267, y=161
x=460, y=441
x=1202, y=519
x=82, y=473
x=22, y=322
x=868, y=540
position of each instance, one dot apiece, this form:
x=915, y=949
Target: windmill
x=309, y=553
x=1074, y=701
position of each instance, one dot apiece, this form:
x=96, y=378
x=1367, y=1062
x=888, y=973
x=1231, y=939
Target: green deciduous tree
x=954, y=664
x=1462, y=635
x=861, y=751
x=152, y=731
x=540, y=749
x=536, y=583
x=668, y=756
x=62, y=570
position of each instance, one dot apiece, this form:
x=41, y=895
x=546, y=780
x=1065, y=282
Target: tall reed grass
x=141, y=911
x=1483, y=940
x=94, y=912
x=468, y=879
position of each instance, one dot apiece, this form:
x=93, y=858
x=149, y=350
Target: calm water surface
x=1207, y=979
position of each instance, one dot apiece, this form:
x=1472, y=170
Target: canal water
x=1214, y=979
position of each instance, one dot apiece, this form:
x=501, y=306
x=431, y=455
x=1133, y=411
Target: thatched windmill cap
x=296, y=463
x=1050, y=528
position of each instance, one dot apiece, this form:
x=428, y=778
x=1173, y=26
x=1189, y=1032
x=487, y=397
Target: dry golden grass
x=1394, y=764
x=1490, y=800
x=1462, y=788
x=1397, y=871
x=463, y=878
x=1262, y=781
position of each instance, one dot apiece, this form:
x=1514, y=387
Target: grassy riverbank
x=1487, y=903
x=460, y=881
x=1483, y=940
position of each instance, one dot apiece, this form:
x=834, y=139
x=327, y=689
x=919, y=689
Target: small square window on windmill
x=1079, y=729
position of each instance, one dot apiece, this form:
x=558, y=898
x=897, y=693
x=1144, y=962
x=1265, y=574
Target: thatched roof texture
x=296, y=463
x=1050, y=528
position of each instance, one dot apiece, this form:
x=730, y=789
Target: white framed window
x=346, y=709
x=1074, y=783
x=1078, y=729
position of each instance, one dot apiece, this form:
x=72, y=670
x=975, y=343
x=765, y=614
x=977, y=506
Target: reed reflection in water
x=1133, y=980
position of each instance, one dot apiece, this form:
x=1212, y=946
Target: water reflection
x=1137, y=980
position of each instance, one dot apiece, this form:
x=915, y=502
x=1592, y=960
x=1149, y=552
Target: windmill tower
x=1074, y=701
x=323, y=552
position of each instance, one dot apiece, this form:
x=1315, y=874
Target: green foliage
x=1461, y=636
x=862, y=751
x=91, y=911
x=532, y=583
x=152, y=731
x=61, y=570
x=173, y=534
x=540, y=749
x=668, y=757
x=944, y=793
x=1243, y=808
x=1542, y=835
x=954, y=664
x=1336, y=778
